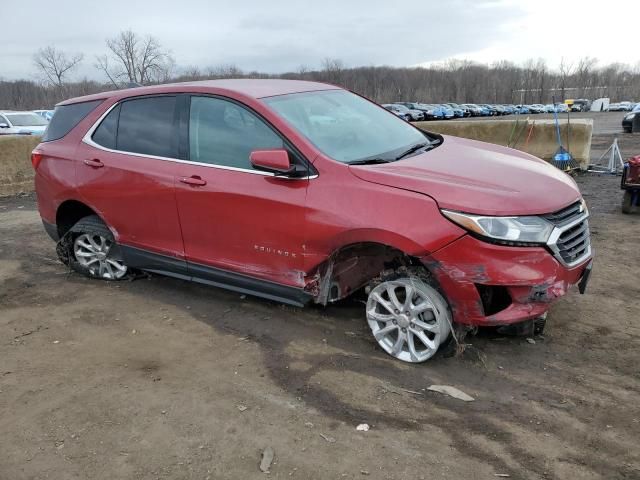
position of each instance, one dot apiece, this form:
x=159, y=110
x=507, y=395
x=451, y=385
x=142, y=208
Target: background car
x=46, y=114
x=399, y=110
x=414, y=110
x=475, y=110
x=458, y=110
x=489, y=110
x=500, y=110
x=447, y=111
x=522, y=109
x=537, y=108
x=22, y=123
x=627, y=121
x=437, y=111
x=581, y=105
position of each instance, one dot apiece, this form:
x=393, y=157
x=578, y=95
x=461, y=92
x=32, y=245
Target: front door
x=236, y=219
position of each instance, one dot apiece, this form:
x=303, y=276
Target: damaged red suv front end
x=488, y=284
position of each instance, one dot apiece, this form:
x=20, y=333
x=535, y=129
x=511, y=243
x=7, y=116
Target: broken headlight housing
x=525, y=231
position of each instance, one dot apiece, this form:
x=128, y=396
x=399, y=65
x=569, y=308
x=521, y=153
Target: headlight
x=510, y=230
x=629, y=116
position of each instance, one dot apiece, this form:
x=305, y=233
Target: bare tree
x=333, y=68
x=54, y=64
x=566, y=70
x=135, y=59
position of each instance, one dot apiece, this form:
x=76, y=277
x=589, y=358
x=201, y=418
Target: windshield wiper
x=370, y=161
x=413, y=149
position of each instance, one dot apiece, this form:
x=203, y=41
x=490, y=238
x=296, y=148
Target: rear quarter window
x=105, y=134
x=66, y=117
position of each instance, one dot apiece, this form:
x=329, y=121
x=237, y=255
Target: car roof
x=249, y=87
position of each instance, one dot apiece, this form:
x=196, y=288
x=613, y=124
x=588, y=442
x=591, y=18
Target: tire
x=408, y=317
x=626, y=202
x=93, y=252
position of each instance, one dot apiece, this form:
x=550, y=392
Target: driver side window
x=224, y=133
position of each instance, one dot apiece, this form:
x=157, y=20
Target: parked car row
x=415, y=111
x=622, y=107
x=24, y=123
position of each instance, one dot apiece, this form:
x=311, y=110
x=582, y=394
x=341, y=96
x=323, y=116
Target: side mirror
x=4, y=125
x=274, y=161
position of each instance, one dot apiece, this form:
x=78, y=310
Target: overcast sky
x=280, y=35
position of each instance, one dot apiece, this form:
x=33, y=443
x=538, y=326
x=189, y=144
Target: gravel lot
x=159, y=378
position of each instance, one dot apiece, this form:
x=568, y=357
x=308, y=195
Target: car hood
x=476, y=177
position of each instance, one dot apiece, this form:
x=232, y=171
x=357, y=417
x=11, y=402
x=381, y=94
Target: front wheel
x=408, y=317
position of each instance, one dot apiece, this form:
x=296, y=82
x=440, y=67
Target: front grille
x=566, y=215
x=570, y=240
x=573, y=243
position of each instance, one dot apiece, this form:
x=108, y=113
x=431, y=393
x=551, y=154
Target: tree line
x=131, y=58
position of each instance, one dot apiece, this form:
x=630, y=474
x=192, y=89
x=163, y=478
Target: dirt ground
x=162, y=379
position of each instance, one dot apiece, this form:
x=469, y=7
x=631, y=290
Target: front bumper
x=531, y=276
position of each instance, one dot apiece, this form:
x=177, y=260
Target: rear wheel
x=94, y=251
x=408, y=317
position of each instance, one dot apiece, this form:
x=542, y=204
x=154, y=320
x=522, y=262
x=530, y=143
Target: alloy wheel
x=408, y=318
x=92, y=251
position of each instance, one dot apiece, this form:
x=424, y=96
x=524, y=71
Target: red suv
x=304, y=192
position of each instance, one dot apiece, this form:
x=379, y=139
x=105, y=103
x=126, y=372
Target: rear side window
x=105, y=134
x=66, y=117
x=147, y=126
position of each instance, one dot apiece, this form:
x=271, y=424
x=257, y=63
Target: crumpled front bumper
x=532, y=277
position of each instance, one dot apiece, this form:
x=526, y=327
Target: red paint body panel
x=247, y=223
x=475, y=177
x=281, y=230
x=135, y=196
x=342, y=210
x=54, y=179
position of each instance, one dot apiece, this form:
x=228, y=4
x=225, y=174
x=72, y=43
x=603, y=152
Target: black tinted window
x=65, y=117
x=105, y=134
x=146, y=126
x=223, y=133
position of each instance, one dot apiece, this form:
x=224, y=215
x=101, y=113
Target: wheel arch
x=353, y=265
x=70, y=212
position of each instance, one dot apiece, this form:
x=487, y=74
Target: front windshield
x=345, y=126
x=26, y=120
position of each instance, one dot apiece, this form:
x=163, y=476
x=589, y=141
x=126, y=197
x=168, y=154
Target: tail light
x=36, y=158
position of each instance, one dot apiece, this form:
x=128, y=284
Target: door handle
x=193, y=180
x=95, y=163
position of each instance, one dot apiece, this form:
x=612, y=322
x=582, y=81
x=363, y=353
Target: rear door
x=126, y=172
x=235, y=218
